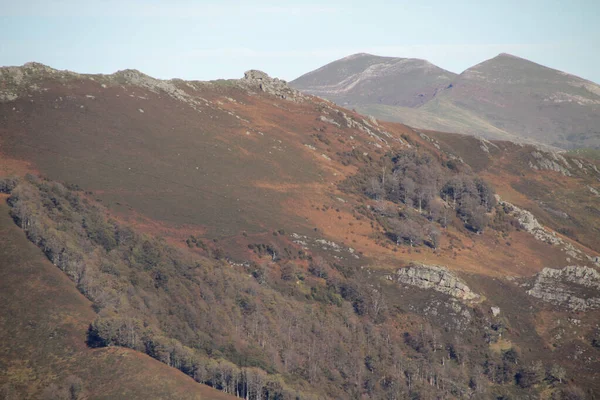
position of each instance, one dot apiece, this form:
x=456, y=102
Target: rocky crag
x=575, y=287
x=529, y=223
x=436, y=278
x=274, y=86
x=554, y=161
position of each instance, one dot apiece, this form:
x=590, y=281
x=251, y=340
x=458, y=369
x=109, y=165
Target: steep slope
x=255, y=237
x=362, y=79
x=43, y=322
x=506, y=97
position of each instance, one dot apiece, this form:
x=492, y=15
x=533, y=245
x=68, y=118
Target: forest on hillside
x=291, y=326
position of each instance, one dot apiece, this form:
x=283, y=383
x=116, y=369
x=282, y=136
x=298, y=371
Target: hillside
x=43, y=327
x=269, y=243
x=506, y=97
x=363, y=79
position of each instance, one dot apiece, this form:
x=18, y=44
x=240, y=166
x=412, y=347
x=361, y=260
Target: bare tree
x=375, y=189
x=406, y=230
x=408, y=190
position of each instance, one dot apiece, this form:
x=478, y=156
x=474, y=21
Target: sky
x=221, y=39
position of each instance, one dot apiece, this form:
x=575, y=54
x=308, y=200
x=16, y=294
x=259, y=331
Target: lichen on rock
x=530, y=224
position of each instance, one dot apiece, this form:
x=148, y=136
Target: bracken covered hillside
x=273, y=245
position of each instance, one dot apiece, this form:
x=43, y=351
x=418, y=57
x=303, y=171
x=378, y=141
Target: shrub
x=8, y=184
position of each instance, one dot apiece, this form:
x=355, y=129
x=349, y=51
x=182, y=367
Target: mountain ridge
x=372, y=68
x=517, y=99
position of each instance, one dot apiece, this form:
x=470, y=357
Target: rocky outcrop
x=436, y=278
x=550, y=161
x=485, y=145
x=530, y=224
x=340, y=119
x=19, y=81
x=323, y=118
x=575, y=287
x=275, y=86
x=16, y=81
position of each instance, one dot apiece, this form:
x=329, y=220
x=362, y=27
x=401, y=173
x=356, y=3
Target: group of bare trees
x=408, y=177
x=472, y=198
x=418, y=181
x=413, y=232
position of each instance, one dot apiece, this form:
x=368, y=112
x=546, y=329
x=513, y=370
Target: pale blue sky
x=221, y=39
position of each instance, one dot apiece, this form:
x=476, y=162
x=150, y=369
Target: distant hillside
x=506, y=97
x=362, y=79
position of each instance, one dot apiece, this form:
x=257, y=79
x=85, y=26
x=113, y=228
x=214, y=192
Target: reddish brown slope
x=219, y=159
x=266, y=164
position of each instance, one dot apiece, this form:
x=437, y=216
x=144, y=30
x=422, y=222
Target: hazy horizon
x=209, y=40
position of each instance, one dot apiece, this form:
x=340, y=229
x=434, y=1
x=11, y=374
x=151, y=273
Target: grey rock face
x=528, y=222
x=16, y=81
x=329, y=121
x=575, y=287
x=255, y=74
x=550, y=161
x=437, y=278
x=381, y=138
x=275, y=86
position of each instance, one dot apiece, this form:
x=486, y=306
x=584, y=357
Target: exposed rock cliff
x=577, y=288
x=274, y=86
x=436, y=278
x=530, y=224
x=550, y=161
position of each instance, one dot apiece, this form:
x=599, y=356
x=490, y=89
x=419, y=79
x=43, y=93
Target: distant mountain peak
x=508, y=55
x=506, y=97
x=363, y=78
x=358, y=55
